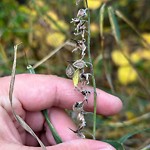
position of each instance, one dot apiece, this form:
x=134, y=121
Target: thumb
x=82, y=144
x=79, y=144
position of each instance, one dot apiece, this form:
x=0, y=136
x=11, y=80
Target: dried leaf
x=76, y=77
x=11, y=88
x=28, y=129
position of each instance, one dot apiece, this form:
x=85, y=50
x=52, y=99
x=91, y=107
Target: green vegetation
x=120, y=49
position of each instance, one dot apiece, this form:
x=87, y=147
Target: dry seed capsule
x=82, y=13
x=70, y=71
x=79, y=133
x=78, y=107
x=79, y=64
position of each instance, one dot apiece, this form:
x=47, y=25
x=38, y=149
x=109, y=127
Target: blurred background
x=43, y=27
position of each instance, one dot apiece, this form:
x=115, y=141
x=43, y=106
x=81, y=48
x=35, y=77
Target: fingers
x=62, y=122
x=35, y=120
x=79, y=144
x=37, y=92
x=82, y=144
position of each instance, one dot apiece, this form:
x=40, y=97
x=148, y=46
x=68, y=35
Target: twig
x=53, y=53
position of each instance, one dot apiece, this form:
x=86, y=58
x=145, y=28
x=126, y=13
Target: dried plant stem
x=92, y=71
x=130, y=122
x=52, y=53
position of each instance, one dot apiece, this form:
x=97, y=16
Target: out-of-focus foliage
x=94, y=4
x=43, y=25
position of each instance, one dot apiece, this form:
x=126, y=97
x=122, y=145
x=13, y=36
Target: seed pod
x=70, y=71
x=78, y=107
x=82, y=13
x=79, y=133
x=85, y=77
x=79, y=64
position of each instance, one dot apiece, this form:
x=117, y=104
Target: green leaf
x=52, y=129
x=101, y=19
x=114, y=24
x=76, y=78
x=115, y=144
x=125, y=137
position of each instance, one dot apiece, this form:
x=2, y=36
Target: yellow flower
x=146, y=36
x=119, y=59
x=135, y=57
x=39, y=3
x=146, y=54
x=129, y=115
x=140, y=54
x=55, y=39
x=53, y=15
x=94, y=29
x=59, y=22
x=94, y=4
x=126, y=75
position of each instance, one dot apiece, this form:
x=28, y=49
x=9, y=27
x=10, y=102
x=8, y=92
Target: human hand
x=33, y=93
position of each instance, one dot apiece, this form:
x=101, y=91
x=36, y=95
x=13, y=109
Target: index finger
x=38, y=92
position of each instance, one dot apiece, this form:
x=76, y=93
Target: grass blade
x=101, y=20
x=116, y=144
x=11, y=88
x=52, y=129
x=114, y=24
x=127, y=21
x=127, y=136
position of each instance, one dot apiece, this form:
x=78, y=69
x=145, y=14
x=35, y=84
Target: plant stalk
x=92, y=71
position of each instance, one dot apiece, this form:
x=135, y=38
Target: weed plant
x=119, y=43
